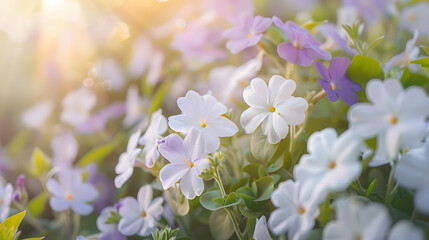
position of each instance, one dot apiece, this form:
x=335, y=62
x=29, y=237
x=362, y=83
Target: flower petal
x=172, y=173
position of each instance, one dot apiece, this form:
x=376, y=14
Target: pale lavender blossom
x=229, y=10
x=336, y=83
x=302, y=47
x=334, y=39
x=109, y=231
x=370, y=10
x=6, y=192
x=70, y=192
x=187, y=159
x=125, y=166
x=37, y=115
x=247, y=33
x=98, y=121
x=403, y=59
x=64, y=149
x=140, y=216
x=77, y=106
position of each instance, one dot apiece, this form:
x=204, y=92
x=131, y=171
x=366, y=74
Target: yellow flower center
x=332, y=165
x=144, y=214
x=69, y=196
x=301, y=210
x=272, y=109
x=394, y=120
x=191, y=164
x=2, y=202
x=333, y=86
x=203, y=124
x=250, y=36
x=412, y=16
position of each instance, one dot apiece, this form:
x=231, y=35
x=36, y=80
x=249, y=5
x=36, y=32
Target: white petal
x=251, y=118
x=173, y=149
x=223, y=126
x=257, y=94
x=182, y=123
x=130, y=226
x=191, y=185
x=421, y=200
x=292, y=110
x=59, y=204
x=366, y=120
x=81, y=208
x=134, y=139
x=268, y=130
x=123, y=177
x=195, y=144
x=280, y=126
x=172, y=173
x=144, y=196
x=155, y=208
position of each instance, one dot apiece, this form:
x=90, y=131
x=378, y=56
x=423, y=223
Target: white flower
x=71, y=192
x=134, y=107
x=355, y=220
x=77, y=106
x=110, y=71
x=261, y=230
x=37, y=115
x=5, y=200
x=273, y=106
x=396, y=116
x=187, y=160
x=140, y=216
x=296, y=212
x=415, y=18
x=412, y=172
x=203, y=113
x=226, y=83
x=125, y=166
x=107, y=229
x=403, y=59
x=406, y=230
x=157, y=127
x=332, y=163
x=64, y=148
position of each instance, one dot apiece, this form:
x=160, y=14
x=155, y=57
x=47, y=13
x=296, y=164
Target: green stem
x=390, y=186
x=76, y=225
x=292, y=138
x=414, y=215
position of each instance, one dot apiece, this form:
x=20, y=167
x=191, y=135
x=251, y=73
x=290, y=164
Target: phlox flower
x=403, y=59
x=109, y=70
x=247, y=33
x=302, y=47
x=205, y=114
x=404, y=229
x=414, y=18
x=229, y=10
x=140, y=216
x=37, y=115
x=412, y=172
x=261, y=230
x=77, y=105
x=355, y=220
x=125, y=166
x=98, y=121
x=64, y=149
x=396, y=116
x=332, y=163
x=109, y=231
x=336, y=83
x=334, y=38
x=71, y=192
x=370, y=10
x=6, y=193
x=134, y=107
x=187, y=161
x=273, y=106
x=296, y=212
x=157, y=127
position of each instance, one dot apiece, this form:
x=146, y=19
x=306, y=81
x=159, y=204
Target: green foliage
x=220, y=224
x=113, y=218
x=159, y=96
x=370, y=188
x=424, y=62
x=9, y=227
x=40, y=163
x=37, y=204
x=260, y=148
x=101, y=152
x=362, y=69
x=166, y=234
x=213, y=200
x=413, y=79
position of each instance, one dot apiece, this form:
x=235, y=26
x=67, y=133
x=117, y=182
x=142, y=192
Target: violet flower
x=302, y=48
x=247, y=33
x=336, y=83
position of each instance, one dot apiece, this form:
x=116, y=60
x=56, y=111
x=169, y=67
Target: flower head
x=355, y=220
x=125, y=166
x=395, y=115
x=71, y=192
x=302, y=48
x=403, y=59
x=157, y=127
x=140, y=216
x=261, y=230
x=336, y=83
x=332, y=163
x=187, y=161
x=6, y=193
x=296, y=212
x=37, y=115
x=247, y=33
x=415, y=17
x=77, y=106
x=411, y=173
x=108, y=230
x=404, y=229
x=273, y=106
x=205, y=114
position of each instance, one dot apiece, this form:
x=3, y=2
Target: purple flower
x=247, y=33
x=334, y=38
x=302, y=48
x=370, y=10
x=20, y=182
x=71, y=192
x=336, y=83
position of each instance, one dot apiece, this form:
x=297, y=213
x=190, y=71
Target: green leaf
x=325, y=213
x=40, y=163
x=220, y=224
x=37, y=238
x=252, y=170
x=101, y=152
x=424, y=62
x=9, y=227
x=37, y=204
x=114, y=218
x=159, y=96
x=275, y=164
x=207, y=198
x=231, y=200
x=206, y=174
x=362, y=69
x=413, y=79
x=264, y=187
x=371, y=187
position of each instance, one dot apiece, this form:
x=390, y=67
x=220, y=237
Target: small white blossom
x=37, y=115
x=77, y=106
x=205, y=114
x=403, y=59
x=396, y=116
x=125, y=166
x=273, y=106
x=415, y=17
x=6, y=192
x=405, y=230
x=261, y=230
